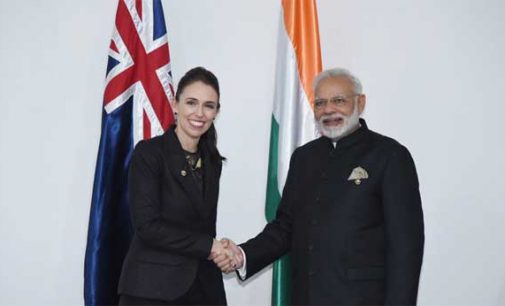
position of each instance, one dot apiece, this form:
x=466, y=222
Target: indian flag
x=298, y=61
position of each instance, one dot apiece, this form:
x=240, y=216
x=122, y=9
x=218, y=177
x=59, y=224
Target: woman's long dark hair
x=209, y=138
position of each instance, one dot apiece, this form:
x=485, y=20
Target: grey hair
x=338, y=72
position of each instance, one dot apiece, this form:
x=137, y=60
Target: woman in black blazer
x=173, y=187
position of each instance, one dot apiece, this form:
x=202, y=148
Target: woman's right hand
x=222, y=256
x=216, y=250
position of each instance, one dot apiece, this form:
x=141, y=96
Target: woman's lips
x=196, y=123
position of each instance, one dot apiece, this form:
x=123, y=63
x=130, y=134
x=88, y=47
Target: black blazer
x=174, y=223
x=351, y=243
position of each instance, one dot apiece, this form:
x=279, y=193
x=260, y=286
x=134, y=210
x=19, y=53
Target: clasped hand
x=226, y=255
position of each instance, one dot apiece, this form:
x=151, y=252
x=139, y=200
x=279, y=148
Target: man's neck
x=352, y=130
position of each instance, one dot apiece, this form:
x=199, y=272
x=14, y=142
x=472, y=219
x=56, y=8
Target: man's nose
x=329, y=108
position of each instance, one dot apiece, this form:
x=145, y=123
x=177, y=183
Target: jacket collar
x=352, y=138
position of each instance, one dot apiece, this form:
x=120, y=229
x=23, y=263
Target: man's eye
x=318, y=103
x=339, y=100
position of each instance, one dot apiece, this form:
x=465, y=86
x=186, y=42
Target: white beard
x=349, y=125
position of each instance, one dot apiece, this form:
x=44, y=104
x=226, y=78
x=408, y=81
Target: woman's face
x=196, y=109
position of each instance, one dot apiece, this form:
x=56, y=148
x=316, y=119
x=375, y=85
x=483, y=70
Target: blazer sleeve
x=275, y=239
x=143, y=192
x=404, y=228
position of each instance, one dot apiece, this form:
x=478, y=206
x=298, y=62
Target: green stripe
x=273, y=195
x=281, y=282
x=281, y=278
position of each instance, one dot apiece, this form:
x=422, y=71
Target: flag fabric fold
x=298, y=62
x=136, y=106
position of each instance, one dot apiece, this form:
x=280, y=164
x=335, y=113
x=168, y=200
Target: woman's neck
x=188, y=143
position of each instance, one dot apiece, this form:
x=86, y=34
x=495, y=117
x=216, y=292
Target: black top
x=194, y=168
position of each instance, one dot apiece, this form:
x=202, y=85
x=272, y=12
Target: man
x=350, y=211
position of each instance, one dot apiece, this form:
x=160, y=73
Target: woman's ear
x=174, y=104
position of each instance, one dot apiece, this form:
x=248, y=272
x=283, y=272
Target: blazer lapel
x=177, y=165
x=210, y=185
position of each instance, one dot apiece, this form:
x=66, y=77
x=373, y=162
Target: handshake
x=226, y=255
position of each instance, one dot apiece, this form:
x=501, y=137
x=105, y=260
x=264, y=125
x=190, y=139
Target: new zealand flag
x=136, y=106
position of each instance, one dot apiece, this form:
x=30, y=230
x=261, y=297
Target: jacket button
x=314, y=222
x=311, y=247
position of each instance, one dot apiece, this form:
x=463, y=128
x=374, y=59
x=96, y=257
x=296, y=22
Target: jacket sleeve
x=275, y=239
x=404, y=228
x=144, y=199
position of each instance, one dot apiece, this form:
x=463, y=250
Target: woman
x=173, y=190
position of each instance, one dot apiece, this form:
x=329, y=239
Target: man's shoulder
x=385, y=144
x=312, y=145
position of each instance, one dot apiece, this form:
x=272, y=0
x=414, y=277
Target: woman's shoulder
x=151, y=144
x=149, y=150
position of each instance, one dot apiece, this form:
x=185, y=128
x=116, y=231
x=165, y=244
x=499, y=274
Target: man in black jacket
x=350, y=213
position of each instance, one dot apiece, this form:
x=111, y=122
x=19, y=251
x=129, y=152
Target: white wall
x=434, y=73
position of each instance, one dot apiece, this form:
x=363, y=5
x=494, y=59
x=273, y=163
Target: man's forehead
x=334, y=85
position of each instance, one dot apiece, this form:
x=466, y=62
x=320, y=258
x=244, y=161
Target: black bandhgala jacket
x=353, y=240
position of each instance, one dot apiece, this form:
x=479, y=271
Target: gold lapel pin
x=183, y=172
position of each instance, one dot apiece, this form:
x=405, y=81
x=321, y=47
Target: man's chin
x=332, y=133
x=331, y=127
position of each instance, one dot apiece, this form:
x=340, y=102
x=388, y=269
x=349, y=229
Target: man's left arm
x=404, y=229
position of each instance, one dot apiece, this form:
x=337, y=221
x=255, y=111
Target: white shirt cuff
x=242, y=272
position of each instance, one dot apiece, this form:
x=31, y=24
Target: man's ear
x=361, y=103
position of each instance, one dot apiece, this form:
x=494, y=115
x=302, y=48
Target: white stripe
x=138, y=115
x=141, y=103
x=145, y=26
x=166, y=80
x=292, y=109
x=120, y=100
x=124, y=58
x=130, y=5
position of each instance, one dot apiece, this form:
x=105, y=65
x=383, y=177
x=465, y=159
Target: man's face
x=336, y=107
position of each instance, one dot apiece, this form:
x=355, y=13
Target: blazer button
x=311, y=247
x=314, y=222
x=312, y=273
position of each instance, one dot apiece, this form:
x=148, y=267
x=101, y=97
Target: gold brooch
x=357, y=175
